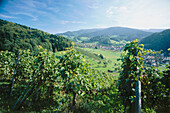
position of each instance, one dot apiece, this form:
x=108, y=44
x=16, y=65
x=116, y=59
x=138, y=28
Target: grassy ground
x=162, y=68
x=110, y=58
x=84, y=38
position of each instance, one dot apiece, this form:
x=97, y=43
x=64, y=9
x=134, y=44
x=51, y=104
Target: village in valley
x=156, y=60
x=95, y=46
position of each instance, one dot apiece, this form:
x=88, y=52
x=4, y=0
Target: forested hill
x=78, y=33
x=122, y=33
x=158, y=41
x=14, y=36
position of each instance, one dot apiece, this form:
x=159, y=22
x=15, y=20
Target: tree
x=101, y=56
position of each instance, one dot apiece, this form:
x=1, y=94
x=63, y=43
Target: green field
x=162, y=68
x=84, y=38
x=110, y=58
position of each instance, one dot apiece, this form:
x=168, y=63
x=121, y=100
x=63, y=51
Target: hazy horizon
x=57, y=16
x=118, y=26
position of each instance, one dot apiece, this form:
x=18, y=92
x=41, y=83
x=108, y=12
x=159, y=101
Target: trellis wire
x=26, y=87
x=13, y=78
x=61, y=99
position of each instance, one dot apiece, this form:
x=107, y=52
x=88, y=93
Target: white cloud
x=31, y=6
x=141, y=14
x=72, y=22
x=64, y=22
x=78, y=22
x=6, y=16
x=34, y=3
x=93, y=6
x=54, y=9
x=110, y=11
x=115, y=10
x=29, y=3
x=34, y=18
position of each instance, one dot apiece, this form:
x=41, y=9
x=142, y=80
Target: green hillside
x=119, y=33
x=14, y=36
x=157, y=41
x=77, y=33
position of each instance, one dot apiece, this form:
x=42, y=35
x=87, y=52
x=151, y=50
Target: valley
x=83, y=71
x=84, y=56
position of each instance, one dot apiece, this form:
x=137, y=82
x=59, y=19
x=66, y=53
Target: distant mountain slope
x=153, y=30
x=14, y=36
x=122, y=32
x=157, y=41
x=77, y=33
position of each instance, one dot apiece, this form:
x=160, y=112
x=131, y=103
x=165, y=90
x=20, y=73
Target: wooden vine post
x=138, y=96
x=138, y=91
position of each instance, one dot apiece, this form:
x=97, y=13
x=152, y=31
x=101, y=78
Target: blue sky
x=56, y=16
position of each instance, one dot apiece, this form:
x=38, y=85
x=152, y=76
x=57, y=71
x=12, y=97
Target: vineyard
x=41, y=81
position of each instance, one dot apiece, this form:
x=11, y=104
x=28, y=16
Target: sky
x=57, y=16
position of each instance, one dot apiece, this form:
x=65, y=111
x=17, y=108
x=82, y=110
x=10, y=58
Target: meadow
x=110, y=61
